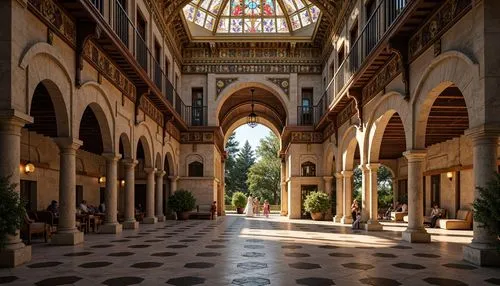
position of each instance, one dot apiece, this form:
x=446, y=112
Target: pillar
x=339, y=179
x=159, y=195
x=365, y=193
x=111, y=224
x=284, y=194
x=130, y=222
x=150, y=196
x=482, y=250
x=328, y=190
x=11, y=122
x=173, y=188
x=347, y=196
x=415, y=231
x=67, y=233
x=395, y=190
x=372, y=223
x=221, y=204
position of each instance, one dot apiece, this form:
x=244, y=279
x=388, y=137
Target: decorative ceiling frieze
x=222, y=83
x=282, y=83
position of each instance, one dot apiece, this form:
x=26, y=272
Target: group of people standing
x=253, y=207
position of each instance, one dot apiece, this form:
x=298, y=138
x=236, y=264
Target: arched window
x=308, y=169
x=195, y=169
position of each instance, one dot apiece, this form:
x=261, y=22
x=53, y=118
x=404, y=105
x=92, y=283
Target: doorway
x=305, y=190
x=28, y=194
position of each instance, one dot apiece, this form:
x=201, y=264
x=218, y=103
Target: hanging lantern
x=29, y=168
x=102, y=180
x=252, y=117
x=122, y=183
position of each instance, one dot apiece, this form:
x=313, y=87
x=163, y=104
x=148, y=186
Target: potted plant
x=182, y=202
x=317, y=203
x=239, y=201
x=11, y=211
x=487, y=207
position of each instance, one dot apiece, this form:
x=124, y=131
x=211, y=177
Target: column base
x=416, y=235
x=337, y=218
x=133, y=224
x=373, y=226
x=14, y=257
x=150, y=220
x=67, y=238
x=481, y=254
x=112, y=228
x=160, y=218
x=346, y=220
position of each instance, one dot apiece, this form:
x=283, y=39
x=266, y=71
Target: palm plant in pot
x=239, y=201
x=317, y=203
x=487, y=208
x=11, y=212
x=182, y=202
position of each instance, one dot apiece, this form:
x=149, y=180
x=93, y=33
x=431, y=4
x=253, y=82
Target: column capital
x=149, y=170
x=112, y=156
x=173, y=178
x=482, y=132
x=68, y=143
x=373, y=166
x=338, y=175
x=328, y=178
x=364, y=168
x=160, y=173
x=14, y=118
x=415, y=155
x=129, y=162
x=347, y=173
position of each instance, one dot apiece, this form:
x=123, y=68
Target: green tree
x=384, y=180
x=244, y=160
x=232, y=150
x=264, y=175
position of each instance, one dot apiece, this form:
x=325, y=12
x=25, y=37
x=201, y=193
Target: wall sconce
x=102, y=180
x=122, y=183
x=449, y=175
x=29, y=168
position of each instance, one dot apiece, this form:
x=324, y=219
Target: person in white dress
x=249, y=207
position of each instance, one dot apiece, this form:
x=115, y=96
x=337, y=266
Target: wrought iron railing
x=121, y=23
x=99, y=4
x=196, y=115
x=305, y=115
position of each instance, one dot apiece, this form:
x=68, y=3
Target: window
x=195, y=169
x=157, y=66
x=371, y=26
x=121, y=20
x=141, y=47
x=353, y=36
x=308, y=169
x=197, y=106
x=340, y=56
x=306, y=109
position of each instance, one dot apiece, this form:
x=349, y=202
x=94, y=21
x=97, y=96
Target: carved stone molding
x=222, y=83
x=102, y=63
x=282, y=83
x=306, y=137
x=447, y=15
x=56, y=18
x=385, y=75
x=251, y=68
x=197, y=137
x=346, y=113
x=149, y=108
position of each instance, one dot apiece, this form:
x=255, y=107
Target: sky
x=253, y=135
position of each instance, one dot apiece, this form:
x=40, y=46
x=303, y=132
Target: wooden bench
x=202, y=212
x=31, y=227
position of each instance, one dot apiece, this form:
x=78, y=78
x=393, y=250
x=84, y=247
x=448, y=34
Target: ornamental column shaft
x=11, y=122
x=130, y=222
x=482, y=251
x=415, y=231
x=67, y=233
x=339, y=198
x=328, y=190
x=159, y=195
x=111, y=224
x=347, y=196
x=150, y=196
x=365, y=193
x=372, y=223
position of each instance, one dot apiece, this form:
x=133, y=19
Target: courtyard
x=234, y=250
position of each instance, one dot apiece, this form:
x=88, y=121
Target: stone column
x=328, y=190
x=11, y=122
x=482, y=250
x=150, y=196
x=173, y=184
x=221, y=211
x=395, y=190
x=111, y=224
x=130, y=222
x=415, y=231
x=365, y=193
x=372, y=223
x=284, y=194
x=67, y=233
x=159, y=195
x=347, y=196
x=339, y=179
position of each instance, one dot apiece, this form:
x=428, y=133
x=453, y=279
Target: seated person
x=404, y=208
x=435, y=214
x=102, y=208
x=356, y=224
x=53, y=208
x=84, y=209
x=392, y=208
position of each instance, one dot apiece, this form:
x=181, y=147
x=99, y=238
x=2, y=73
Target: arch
x=329, y=156
x=127, y=147
x=194, y=158
x=388, y=105
x=239, y=85
x=449, y=68
x=148, y=154
x=158, y=162
x=169, y=164
x=107, y=138
x=242, y=121
x=348, y=148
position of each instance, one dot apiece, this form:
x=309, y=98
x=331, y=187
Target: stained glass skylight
x=251, y=16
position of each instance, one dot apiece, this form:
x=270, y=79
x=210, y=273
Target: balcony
x=305, y=115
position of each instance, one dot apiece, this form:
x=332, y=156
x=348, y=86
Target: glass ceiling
x=251, y=16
